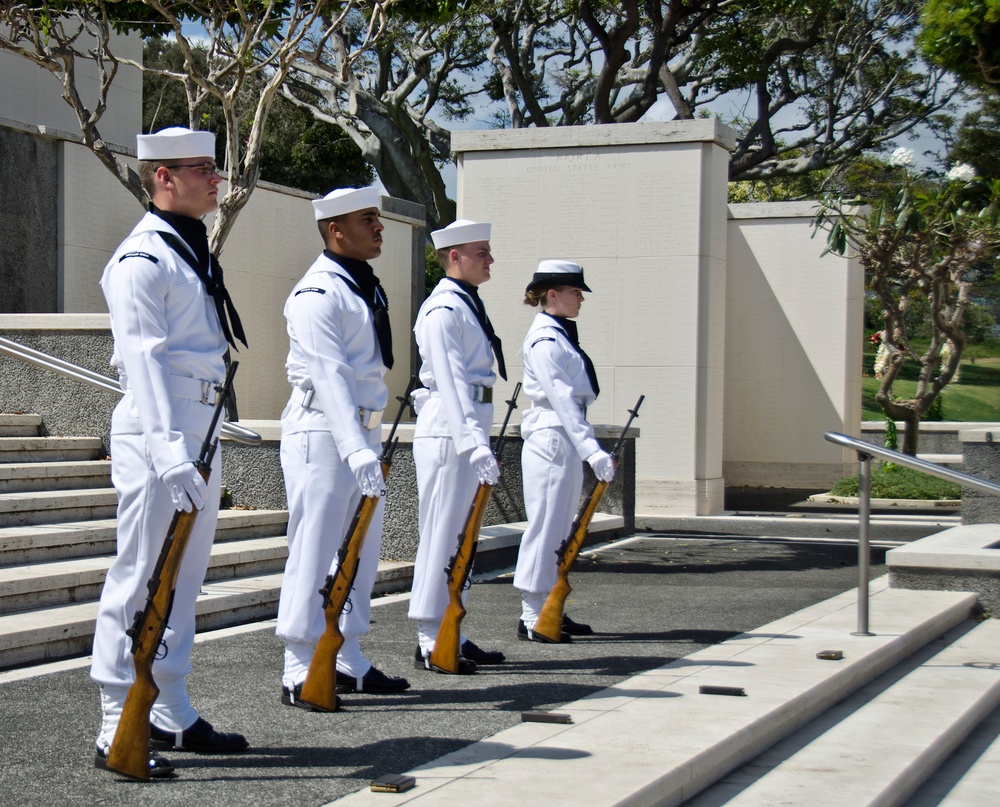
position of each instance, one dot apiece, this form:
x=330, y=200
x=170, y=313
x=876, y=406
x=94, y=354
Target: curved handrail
x=67, y=369
x=917, y=464
x=865, y=452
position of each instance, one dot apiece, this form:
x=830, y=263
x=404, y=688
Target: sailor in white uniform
x=169, y=312
x=560, y=381
x=340, y=348
x=451, y=448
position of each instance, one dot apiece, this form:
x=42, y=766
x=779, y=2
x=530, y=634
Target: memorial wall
x=642, y=207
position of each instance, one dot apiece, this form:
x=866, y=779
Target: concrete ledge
x=964, y=558
x=655, y=740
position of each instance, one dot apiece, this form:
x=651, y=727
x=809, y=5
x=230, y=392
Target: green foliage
x=891, y=438
x=978, y=137
x=964, y=37
x=899, y=483
x=433, y=271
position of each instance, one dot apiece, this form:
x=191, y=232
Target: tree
x=818, y=86
x=928, y=242
x=964, y=37
x=389, y=99
x=54, y=35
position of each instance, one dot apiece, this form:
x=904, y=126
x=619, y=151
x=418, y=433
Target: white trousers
x=552, y=474
x=145, y=511
x=446, y=485
x=322, y=498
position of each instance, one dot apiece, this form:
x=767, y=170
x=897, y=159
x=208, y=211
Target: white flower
x=963, y=172
x=902, y=158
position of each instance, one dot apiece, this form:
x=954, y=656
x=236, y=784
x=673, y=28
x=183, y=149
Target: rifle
x=319, y=689
x=549, y=624
x=445, y=654
x=129, y=753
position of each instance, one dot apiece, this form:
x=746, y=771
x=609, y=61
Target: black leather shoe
x=421, y=662
x=374, y=681
x=575, y=628
x=475, y=653
x=198, y=738
x=526, y=634
x=159, y=767
x=293, y=697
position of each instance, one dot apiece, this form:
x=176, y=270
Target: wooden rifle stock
x=129, y=753
x=550, y=618
x=320, y=687
x=446, y=650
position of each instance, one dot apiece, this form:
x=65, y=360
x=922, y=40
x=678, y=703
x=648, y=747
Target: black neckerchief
x=569, y=328
x=194, y=237
x=474, y=301
x=364, y=283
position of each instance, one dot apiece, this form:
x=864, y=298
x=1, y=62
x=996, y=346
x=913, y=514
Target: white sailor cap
x=462, y=231
x=175, y=143
x=558, y=273
x=343, y=201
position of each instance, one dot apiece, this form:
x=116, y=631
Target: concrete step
x=969, y=777
x=54, y=507
x=76, y=539
x=49, y=449
x=884, y=529
x=20, y=425
x=26, y=588
x=925, y=730
x=19, y=477
x=659, y=738
x=63, y=631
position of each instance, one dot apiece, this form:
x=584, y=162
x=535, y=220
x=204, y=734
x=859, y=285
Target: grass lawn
x=976, y=396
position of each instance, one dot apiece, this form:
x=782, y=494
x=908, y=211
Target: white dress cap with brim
x=462, y=231
x=558, y=273
x=175, y=143
x=343, y=201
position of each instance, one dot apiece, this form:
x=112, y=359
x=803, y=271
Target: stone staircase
x=57, y=540
x=908, y=711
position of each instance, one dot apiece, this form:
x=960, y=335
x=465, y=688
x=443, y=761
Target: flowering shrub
x=926, y=241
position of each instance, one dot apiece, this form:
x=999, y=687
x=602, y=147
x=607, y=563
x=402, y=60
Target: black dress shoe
x=421, y=662
x=159, y=767
x=374, y=681
x=293, y=697
x=575, y=628
x=475, y=653
x=198, y=738
x=526, y=634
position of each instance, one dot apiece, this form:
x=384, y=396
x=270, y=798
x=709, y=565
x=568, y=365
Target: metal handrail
x=865, y=452
x=74, y=371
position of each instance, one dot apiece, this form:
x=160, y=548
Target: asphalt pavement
x=651, y=599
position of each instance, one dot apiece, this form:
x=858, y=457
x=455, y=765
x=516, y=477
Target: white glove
x=485, y=465
x=186, y=486
x=603, y=465
x=368, y=471
x=419, y=397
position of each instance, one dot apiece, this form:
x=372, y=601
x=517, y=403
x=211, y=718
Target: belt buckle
x=206, y=391
x=307, y=397
x=370, y=418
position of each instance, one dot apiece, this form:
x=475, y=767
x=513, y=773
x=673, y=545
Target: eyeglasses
x=208, y=169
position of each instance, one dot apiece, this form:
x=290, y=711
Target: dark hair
x=147, y=174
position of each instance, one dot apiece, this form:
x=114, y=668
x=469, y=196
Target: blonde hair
x=536, y=297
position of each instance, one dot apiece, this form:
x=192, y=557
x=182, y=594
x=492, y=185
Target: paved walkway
x=652, y=600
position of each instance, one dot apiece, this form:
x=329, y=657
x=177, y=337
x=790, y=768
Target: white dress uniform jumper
x=168, y=349
x=336, y=369
x=557, y=441
x=457, y=369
